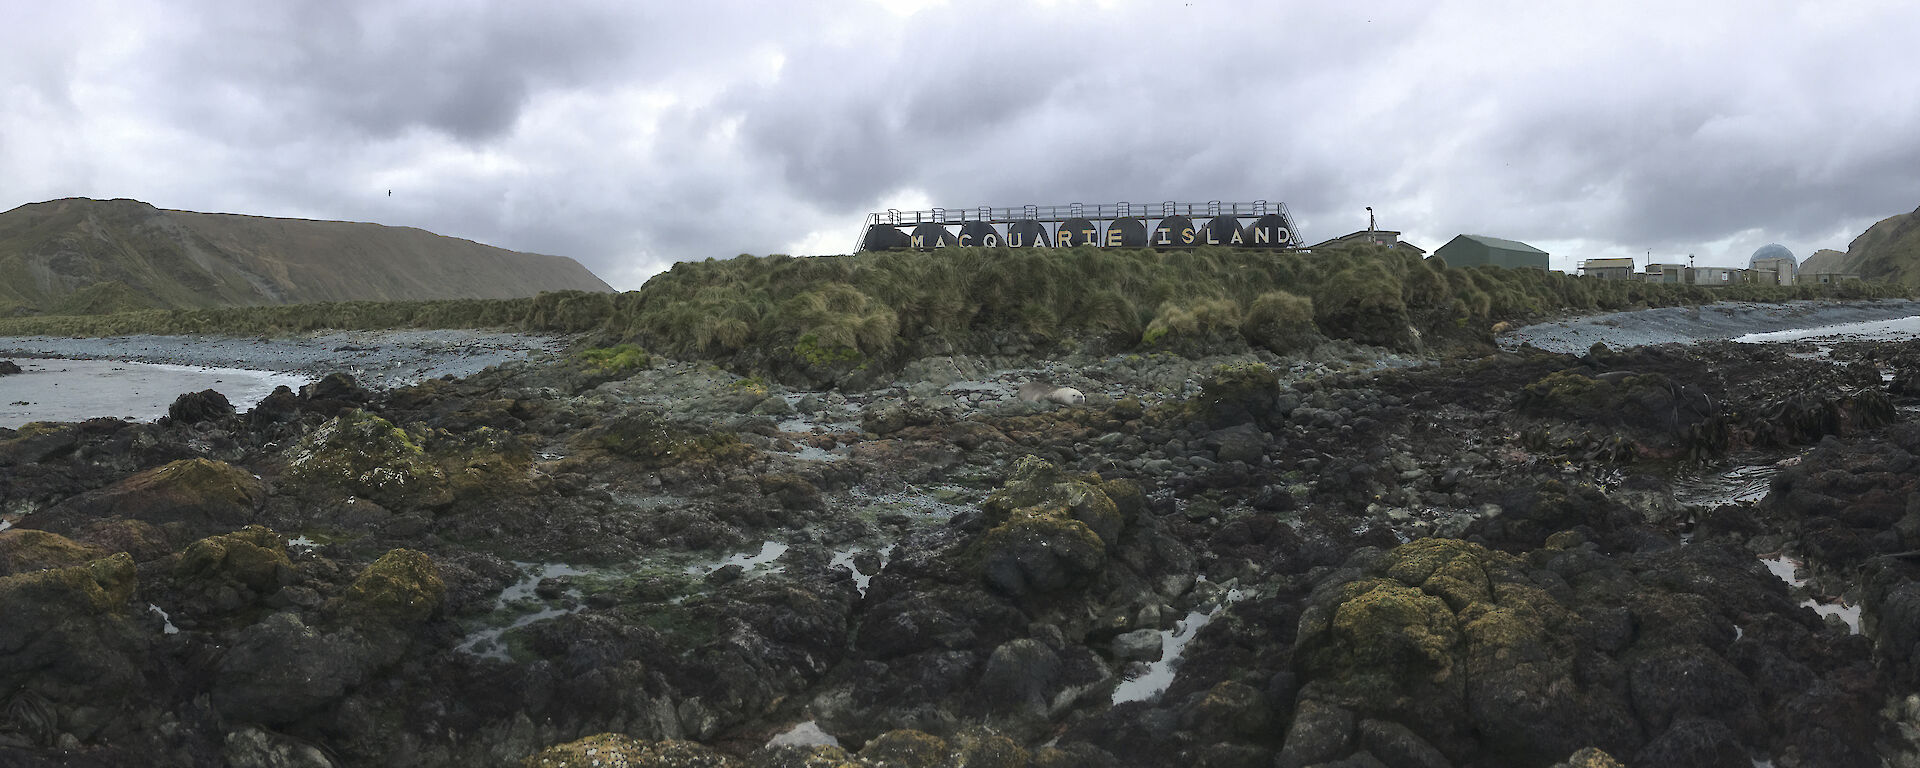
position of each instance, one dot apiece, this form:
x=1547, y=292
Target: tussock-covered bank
x=819, y=321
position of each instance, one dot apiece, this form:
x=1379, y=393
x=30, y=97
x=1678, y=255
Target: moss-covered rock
x=200, y=495
x=905, y=749
x=1590, y=757
x=66, y=633
x=979, y=747
x=613, y=750
x=364, y=455
x=254, y=557
x=653, y=442
x=98, y=586
x=1651, y=414
x=1049, y=528
x=483, y=463
x=144, y=540
x=402, y=587
x=29, y=550
x=1235, y=394
x=811, y=756
x=1448, y=637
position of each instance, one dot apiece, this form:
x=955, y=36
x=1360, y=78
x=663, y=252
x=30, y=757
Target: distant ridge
x=83, y=256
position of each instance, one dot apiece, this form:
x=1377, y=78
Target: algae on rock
x=1448, y=637
x=403, y=586
x=1050, y=528
x=254, y=557
x=24, y=550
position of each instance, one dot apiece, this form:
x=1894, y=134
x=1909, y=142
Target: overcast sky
x=630, y=135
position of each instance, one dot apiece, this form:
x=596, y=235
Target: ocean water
x=55, y=389
x=1897, y=329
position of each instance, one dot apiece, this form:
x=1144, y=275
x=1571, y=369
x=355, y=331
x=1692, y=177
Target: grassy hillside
x=92, y=256
x=826, y=319
x=1888, y=250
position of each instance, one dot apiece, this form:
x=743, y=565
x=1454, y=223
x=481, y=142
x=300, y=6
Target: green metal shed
x=1480, y=250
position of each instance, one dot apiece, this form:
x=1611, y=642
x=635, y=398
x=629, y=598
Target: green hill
x=1888, y=250
x=81, y=256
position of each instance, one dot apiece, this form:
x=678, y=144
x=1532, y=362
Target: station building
x=1481, y=250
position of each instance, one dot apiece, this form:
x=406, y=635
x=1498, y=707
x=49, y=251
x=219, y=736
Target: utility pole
x=1370, y=226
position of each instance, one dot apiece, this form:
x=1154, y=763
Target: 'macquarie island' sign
x=1121, y=225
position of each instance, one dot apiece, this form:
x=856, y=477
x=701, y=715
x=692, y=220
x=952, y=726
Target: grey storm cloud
x=633, y=135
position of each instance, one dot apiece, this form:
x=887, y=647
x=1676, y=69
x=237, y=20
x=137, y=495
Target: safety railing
x=1059, y=213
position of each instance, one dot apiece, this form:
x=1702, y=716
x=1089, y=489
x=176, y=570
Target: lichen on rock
x=365, y=455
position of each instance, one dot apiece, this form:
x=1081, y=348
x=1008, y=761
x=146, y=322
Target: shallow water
x=56, y=389
x=1743, y=483
x=844, y=559
x=1897, y=329
x=769, y=552
x=1787, y=570
x=486, y=642
x=166, y=622
x=1173, y=643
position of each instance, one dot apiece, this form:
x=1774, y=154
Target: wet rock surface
x=1647, y=556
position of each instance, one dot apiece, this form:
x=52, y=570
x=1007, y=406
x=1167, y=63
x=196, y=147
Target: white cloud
x=631, y=136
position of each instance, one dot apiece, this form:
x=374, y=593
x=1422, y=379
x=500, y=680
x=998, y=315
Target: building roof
x=1607, y=263
x=1503, y=244
x=1360, y=235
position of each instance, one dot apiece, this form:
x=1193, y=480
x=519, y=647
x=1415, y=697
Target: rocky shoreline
x=1527, y=558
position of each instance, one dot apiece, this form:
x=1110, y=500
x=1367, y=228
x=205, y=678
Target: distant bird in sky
x=389, y=193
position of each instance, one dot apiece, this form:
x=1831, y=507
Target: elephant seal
x=1035, y=391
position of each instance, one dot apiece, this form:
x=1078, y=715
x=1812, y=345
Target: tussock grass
x=821, y=318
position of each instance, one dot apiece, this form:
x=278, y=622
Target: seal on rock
x=1037, y=391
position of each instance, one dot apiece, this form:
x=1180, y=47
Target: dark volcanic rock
x=281, y=670
x=196, y=407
